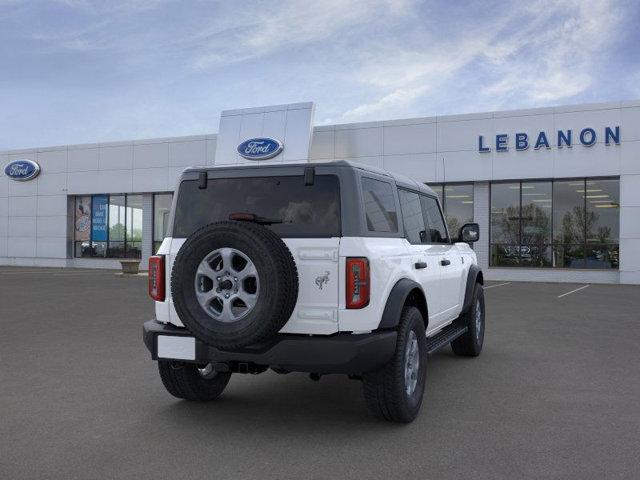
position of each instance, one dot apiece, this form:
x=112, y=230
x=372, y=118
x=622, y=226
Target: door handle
x=445, y=261
x=419, y=265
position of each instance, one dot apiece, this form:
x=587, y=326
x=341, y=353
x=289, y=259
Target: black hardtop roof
x=400, y=180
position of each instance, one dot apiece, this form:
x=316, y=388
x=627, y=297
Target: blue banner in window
x=99, y=207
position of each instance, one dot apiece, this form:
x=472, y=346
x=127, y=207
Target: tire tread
x=384, y=389
x=182, y=380
x=284, y=263
x=465, y=345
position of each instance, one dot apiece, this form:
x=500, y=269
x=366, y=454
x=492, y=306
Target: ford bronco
x=318, y=268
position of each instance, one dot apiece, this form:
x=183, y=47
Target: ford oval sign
x=22, y=170
x=260, y=148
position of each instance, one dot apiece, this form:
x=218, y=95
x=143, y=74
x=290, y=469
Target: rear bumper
x=339, y=353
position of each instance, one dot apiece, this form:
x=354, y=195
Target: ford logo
x=260, y=148
x=22, y=170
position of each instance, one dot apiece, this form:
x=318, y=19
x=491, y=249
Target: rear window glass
x=379, y=206
x=303, y=211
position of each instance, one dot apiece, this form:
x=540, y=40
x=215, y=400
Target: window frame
x=424, y=223
x=553, y=243
x=153, y=220
x=449, y=240
x=442, y=188
x=399, y=232
x=108, y=240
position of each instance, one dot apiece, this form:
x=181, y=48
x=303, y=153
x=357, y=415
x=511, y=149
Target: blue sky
x=76, y=71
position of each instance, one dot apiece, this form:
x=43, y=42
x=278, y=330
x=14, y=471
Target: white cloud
x=405, y=76
x=397, y=98
x=160, y=68
x=260, y=32
x=554, y=63
x=544, y=52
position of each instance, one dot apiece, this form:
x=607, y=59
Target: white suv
x=325, y=268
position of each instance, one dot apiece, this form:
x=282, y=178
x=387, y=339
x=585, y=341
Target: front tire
x=190, y=382
x=395, y=392
x=470, y=343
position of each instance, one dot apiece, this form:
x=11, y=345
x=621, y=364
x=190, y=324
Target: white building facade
x=556, y=191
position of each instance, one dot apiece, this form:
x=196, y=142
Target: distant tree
x=506, y=227
x=536, y=234
x=453, y=224
x=576, y=223
x=116, y=232
x=604, y=234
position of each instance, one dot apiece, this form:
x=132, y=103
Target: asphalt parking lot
x=555, y=394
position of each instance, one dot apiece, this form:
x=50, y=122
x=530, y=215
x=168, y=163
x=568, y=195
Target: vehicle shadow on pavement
x=268, y=400
x=273, y=399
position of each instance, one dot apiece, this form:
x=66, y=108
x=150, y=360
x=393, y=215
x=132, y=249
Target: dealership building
x=556, y=191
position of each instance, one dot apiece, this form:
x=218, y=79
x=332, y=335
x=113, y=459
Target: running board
x=444, y=337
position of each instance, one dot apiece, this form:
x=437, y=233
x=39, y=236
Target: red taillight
x=156, y=278
x=358, y=286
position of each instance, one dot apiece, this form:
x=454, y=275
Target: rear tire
x=470, y=343
x=187, y=381
x=388, y=392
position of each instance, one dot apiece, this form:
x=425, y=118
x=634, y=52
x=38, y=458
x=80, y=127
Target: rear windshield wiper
x=252, y=217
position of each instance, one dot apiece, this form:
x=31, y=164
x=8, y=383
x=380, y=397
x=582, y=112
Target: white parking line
x=71, y=274
x=497, y=285
x=56, y=273
x=573, y=291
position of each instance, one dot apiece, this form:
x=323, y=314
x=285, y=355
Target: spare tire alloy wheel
x=227, y=284
x=234, y=284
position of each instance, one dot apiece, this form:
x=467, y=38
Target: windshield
x=293, y=208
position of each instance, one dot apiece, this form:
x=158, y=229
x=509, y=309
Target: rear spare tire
x=234, y=284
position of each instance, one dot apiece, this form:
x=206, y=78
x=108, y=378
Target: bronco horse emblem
x=322, y=279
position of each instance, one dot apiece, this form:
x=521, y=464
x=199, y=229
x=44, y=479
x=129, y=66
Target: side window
x=437, y=233
x=412, y=217
x=379, y=206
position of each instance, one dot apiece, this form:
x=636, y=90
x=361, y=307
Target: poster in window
x=99, y=218
x=83, y=219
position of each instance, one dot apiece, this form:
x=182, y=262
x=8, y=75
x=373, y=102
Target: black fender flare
x=396, y=301
x=474, y=276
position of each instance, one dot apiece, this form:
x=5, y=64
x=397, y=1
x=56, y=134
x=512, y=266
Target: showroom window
x=562, y=224
x=457, y=204
x=108, y=226
x=161, y=210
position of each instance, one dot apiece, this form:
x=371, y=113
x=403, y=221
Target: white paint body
x=322, y=311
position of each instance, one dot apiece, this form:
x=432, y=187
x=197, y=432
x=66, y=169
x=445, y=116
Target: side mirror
x=469, y=233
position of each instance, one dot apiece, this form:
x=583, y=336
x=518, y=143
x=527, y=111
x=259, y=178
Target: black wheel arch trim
x=397, y=300
x=474, y=276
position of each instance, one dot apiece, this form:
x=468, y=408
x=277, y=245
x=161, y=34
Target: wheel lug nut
x=218, y=278
x=226, y=295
